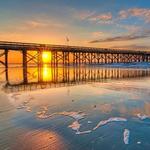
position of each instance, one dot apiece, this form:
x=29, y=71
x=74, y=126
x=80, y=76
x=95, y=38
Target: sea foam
x=75, y=115
x=113, y=119
x=142, y=117
x=76, y=125
x=126, y=135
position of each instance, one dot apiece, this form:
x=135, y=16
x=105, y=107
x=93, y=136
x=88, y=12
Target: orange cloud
x=97, y=34
x=102, y=17
x=36, y=24
x=42, y=23
x=134, y=36
x=133, y=47
x=84, y=14
x=129, y=28
x=143, y=13
x=123, y=14
x=93, y=16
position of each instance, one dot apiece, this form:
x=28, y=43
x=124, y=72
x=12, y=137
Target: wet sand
x=79, y=117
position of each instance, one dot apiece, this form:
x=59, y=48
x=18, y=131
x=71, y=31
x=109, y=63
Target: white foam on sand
x=113, y=119
x=24, y=105
x=44, y=116
x=20, y=101
x=28, y=109
x=45, y=108
x=43, y=113
x=89, y=122
x=142, y=117
x=84, y=132
x=126, y=135
x=139, y=142
x=75, y=126
x=75, y=115
x=13, y=97
x=21, y=106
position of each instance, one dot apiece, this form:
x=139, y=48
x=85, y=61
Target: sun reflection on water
x=40, y=139
x=46, y=73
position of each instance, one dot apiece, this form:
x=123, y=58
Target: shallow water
x=88, y=108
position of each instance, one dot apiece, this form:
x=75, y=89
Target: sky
x=95, y=23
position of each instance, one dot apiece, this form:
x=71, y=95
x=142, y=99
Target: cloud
x=83, y=15
x=107, y=18
x=134, y=36
x=129, y=28
x=36, y=24
x=143, y=47
x=143, y=13
x=97, y=34
x=101, y=17
x=93, y=16
x=40, y=24
x=123, y=14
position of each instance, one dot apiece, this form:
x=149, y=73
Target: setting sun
x=46, y=57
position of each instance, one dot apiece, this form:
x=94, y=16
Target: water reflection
x=40, y=139
x=86, y=116
x=43, y=77
x=46, y=73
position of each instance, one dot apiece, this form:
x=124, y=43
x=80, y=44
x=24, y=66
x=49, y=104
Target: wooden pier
x=66, y=55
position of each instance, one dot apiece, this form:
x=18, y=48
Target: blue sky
x=99, y=23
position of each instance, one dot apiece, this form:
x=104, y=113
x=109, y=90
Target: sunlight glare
x=46, y=57
x=47, y=73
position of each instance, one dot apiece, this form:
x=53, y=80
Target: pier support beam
x=6, y=58
x=40, y=65
x=24, y=60
x=6, y=64
x=1, y=56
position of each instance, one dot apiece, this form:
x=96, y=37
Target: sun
x=46, y=57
